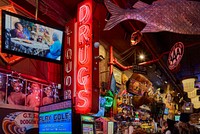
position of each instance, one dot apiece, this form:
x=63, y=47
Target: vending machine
x=84, y=124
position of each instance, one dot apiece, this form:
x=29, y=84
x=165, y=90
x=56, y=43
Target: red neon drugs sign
x=84, y=58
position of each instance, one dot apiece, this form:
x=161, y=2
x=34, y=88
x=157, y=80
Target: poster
x=18, y=121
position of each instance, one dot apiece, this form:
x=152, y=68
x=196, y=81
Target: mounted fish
x=178, y=16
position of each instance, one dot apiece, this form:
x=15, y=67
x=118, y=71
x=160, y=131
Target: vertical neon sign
x=84, y=58
x=69, y=60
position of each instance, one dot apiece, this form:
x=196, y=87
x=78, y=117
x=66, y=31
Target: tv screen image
x=30, y=38
x=56, y=122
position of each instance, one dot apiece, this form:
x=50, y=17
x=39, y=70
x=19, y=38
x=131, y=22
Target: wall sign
x=84, y=58
x=69, y=60
x=139, y=69
x=175, y=55
x=14, y=121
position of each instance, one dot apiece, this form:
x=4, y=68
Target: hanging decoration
x=175, y=55
x=176, y=12
x=191, y=90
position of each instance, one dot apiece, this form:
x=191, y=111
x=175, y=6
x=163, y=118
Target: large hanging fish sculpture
x=178, y=16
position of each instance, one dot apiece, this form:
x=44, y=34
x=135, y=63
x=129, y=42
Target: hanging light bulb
x=142, y=56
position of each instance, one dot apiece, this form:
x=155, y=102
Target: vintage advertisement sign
x=18, y=122
x=139, y=69
x=175, y=55
x=84, y=58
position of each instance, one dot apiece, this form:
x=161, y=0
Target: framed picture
x=118, y=75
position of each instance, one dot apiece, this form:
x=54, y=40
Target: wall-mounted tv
x=30, y=38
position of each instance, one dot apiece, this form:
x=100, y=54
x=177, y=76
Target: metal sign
x=139, y=69
x=175, y=55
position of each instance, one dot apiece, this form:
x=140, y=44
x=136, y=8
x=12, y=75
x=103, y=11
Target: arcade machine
x=56, y=118
x=83, y=124
x=108, y=125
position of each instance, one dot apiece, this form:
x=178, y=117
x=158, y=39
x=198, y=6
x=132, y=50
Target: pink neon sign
x=84, y=58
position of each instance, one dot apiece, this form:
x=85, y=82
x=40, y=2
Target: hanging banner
x=175, y=55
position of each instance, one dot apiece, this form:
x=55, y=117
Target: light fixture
x=193, y=93
x=141, y=56
x=189, y=84
x=196, y=102
x=96, y=44
x=189, y=87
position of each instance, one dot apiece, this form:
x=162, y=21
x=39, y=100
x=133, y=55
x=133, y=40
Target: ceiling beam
x=44, y=14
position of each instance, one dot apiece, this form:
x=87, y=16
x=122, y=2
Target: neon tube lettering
x=84, y=14
x=68, y=54
x=68, y=67
x=83, y=54
x=68, y=81
x=83, y=33
x=82, y=80
x=84, y=51
x=85, y=100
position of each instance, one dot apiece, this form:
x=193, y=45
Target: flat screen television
x=31, y=39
